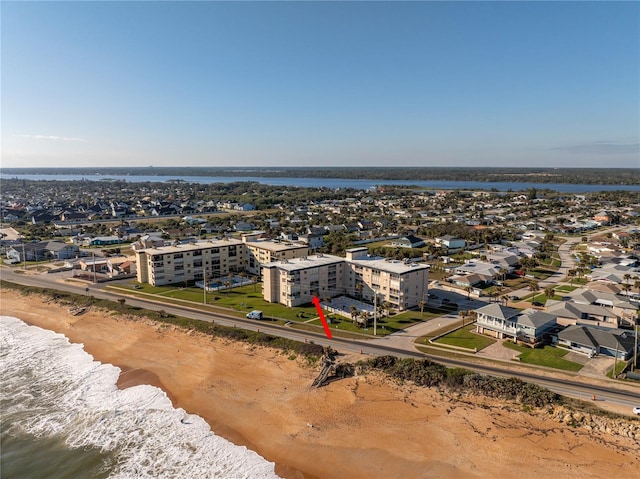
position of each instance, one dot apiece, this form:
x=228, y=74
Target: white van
x=255, y=314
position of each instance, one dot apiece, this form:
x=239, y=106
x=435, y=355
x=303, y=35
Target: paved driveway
x=498, y=351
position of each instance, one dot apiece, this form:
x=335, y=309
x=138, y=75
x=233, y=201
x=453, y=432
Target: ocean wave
x=52, y=388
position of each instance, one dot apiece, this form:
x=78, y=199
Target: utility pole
x=635, y=348
x=24, y=257
x=93, y=255
x=204, y=286
x=375, y=313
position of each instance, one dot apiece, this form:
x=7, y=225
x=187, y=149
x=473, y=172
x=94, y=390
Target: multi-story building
x=402, y=284
x=295, y=282
x=190, y=262
x=259, y=252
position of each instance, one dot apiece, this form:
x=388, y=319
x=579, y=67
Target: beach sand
x=362, y=427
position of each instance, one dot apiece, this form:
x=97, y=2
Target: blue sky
x=320, y=83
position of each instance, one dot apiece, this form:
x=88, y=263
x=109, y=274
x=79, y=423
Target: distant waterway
x=335, y=183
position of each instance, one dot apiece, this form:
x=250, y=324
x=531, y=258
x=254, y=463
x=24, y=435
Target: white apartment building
x=259, y=252
x=400, y=283
x=189, y=262
x=295, y=282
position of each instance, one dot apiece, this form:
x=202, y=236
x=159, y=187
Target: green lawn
x=565, y=288
x=242, y=299
x=548, y=356
x=465, y=338
x=387, y=325
x=619, y=368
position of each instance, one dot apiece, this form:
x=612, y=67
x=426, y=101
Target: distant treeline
x=587, y=176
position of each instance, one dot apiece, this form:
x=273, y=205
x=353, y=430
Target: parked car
x=636, y=410
x=255, y=314
x=537, y=303
x=137, y=286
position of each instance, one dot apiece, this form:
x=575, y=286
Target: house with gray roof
x=593, y=340
x=616, y=305
x=529, y=326
x=570, y=313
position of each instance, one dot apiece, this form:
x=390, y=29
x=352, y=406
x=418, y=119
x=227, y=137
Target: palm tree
x=421, y=305
x=534, y=287
x=468, y=289
x=549, y=292
x=572, y=274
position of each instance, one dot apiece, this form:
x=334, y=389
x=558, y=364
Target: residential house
x=592, y=340
x=571, y=313
x=60, y=250
x=529, y=326
x=451, y=243
x=148, y=241
x=105, y=241
x=408, y=241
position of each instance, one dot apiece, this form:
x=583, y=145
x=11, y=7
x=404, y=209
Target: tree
x=534, y=287
x=421, y=305
x=549, y=292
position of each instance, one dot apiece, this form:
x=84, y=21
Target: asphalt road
x=611, y=393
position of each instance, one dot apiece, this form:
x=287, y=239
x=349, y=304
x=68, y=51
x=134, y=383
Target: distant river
x=334, y=183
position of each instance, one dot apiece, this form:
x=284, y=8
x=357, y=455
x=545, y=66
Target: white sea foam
x=50, y=387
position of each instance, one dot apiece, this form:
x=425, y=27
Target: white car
x=636, y=410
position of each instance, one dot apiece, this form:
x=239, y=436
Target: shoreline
x=362, y=427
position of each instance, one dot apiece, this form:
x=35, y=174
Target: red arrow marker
x=316, y=303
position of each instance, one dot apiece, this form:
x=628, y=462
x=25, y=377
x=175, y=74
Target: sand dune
x=362, y=427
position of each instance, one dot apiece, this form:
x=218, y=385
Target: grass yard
x=466, y=338
x=548, y=356
x=565, y=288
x=242, y=299
x=386, y=325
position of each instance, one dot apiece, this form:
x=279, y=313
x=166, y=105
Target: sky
x=554, y=84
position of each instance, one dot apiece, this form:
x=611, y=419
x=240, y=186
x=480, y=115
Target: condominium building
x=297, y=281
x=259, y=252
x=400, y=283
x=190, y=262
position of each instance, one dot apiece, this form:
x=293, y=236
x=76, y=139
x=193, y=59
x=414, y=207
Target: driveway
x=597, y=367
x=498, y=351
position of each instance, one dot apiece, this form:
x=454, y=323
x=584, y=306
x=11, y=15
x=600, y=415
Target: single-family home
x=529, y=326
x=451, y=243
x=592, y=340
x=408, y=241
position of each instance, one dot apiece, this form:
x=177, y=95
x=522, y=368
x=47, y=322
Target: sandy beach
x=361, y=427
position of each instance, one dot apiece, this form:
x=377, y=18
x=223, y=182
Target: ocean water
x=63, y=417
